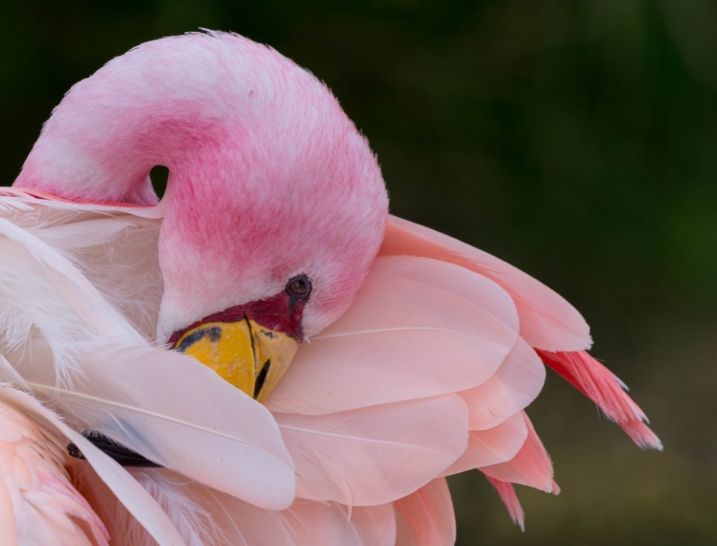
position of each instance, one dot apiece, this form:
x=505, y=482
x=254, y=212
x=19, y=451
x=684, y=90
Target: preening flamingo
x=351, y=359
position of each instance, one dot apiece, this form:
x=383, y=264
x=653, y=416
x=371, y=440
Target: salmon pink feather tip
x=642, y=435
x=556, y=488
x=510, y=499
x=602, y=387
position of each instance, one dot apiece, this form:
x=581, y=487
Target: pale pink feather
x=531, y=465
x=120, y=398
x=8, y=525
x=148, y=210
x=492, y=446
x=425, y=518
x=402, y=339
x=377, y=454
x=305, y=523
x=319, y=524
x=547, y=321
x=515, y=384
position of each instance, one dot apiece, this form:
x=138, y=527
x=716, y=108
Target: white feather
x=223, y=438
x=175, y=495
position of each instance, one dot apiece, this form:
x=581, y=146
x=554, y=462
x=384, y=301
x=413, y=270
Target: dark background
x=575, y=139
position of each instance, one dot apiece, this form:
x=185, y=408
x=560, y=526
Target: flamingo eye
x=299, y=287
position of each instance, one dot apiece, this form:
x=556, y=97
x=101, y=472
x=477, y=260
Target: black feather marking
x=121, y=454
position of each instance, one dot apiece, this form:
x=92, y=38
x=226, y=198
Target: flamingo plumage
x=352, y=359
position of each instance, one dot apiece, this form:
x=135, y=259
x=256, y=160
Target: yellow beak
x=247, y=355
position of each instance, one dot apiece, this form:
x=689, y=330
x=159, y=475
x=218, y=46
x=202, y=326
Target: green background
x=575, y=139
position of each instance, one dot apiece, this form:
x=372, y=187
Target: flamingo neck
x=149, y=107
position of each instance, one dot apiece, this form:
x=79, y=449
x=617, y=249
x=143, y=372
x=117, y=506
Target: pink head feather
x=269, y=178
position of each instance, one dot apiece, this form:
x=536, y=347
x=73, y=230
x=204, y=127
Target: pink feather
x=112, y=385
x=604, y=388
x=547, y=321
x=402, y=339
x=510, y=389
x=328, y=524
x=510, y=499
x=38, y=504
x=377, y=454
x=425, y=518
x=494, y=445
x=531, y=465
x=135, y=499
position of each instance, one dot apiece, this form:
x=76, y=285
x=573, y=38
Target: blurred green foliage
x=575, y=139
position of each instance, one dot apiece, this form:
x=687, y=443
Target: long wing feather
x=547, y=321
x=507, y=494
x=607, y=391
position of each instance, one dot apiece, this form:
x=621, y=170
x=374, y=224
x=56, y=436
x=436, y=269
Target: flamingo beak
x=244, y=353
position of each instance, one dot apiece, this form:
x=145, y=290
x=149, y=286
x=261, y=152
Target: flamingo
x=273, y=357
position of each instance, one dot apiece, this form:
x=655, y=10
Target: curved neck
x=159, y=104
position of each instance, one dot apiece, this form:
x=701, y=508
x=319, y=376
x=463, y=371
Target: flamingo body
x=423, y=352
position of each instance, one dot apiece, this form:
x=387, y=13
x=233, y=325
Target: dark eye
x=299, y=287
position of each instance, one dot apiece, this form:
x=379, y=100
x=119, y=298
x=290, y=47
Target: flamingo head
x=261, y=253
x=276, y=206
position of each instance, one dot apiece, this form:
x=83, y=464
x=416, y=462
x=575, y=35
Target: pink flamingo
x=352, y=359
